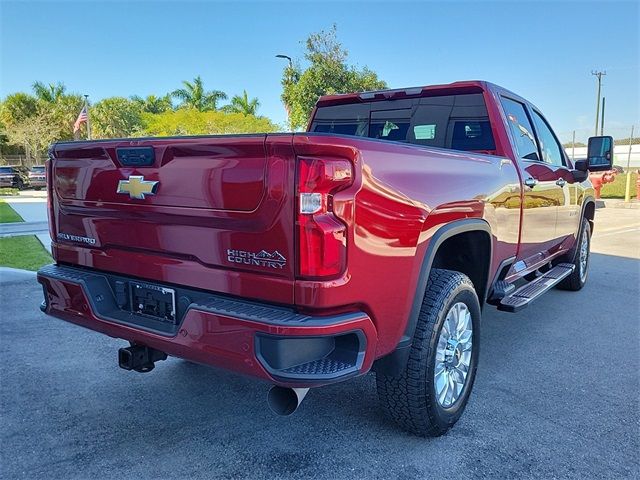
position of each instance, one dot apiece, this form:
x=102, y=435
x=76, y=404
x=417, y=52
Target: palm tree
x=193, y=95
x=50, y=93
x=242, y=104
x=154, y=104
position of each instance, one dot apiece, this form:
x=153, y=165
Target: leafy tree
x=194, y=95
x=242, y=104
x=571, y=145
x=154, y=104
x=115, y=117
x=189, y=121
x=64, y=113
x=34, y=133
x=17, y=107
x=625, y=141
x=327, y=73
x=50, y=93
x=31, y=123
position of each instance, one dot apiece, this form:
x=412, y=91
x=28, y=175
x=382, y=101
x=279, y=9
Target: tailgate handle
x=136, y=156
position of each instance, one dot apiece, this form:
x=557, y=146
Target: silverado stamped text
x=371, y=242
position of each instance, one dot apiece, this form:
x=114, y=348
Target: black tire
x=578, y=278
x=20, y=184
x=410, y=398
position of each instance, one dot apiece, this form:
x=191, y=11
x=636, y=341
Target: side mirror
x=581, y=172
x=600, y=154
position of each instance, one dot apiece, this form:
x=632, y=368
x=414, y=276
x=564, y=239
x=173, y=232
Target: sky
x=544, y=51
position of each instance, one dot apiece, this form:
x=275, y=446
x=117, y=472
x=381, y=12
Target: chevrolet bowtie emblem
x=137, y=187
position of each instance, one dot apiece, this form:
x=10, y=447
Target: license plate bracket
x=153, y=301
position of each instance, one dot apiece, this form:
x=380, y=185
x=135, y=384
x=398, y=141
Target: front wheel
x=581, y=254
x=429, y=396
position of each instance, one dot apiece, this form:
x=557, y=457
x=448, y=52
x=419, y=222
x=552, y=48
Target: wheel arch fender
x=397, y=359
x=588, y=210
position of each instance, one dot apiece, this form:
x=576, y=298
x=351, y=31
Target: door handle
x=531, y=182
x=561, y=182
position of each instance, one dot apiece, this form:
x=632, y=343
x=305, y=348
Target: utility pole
x=599, y=75
x=86, y=106
x=627, y=187
x=602, y=119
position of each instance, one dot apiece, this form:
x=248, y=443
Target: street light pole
x=286, y=57
x=286, y=107
x=599, y=75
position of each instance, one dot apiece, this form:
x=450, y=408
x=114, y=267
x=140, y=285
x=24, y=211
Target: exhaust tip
x=284, y=401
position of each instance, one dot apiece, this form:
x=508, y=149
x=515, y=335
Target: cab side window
x=549, y=147
x=520, y=129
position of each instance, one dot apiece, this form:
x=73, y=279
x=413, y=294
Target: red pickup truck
x=370, y=242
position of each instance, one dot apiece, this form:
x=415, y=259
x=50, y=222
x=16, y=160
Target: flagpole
x=86, y=105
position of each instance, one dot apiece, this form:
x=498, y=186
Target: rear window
x=6, y=170
x=37, y=169
x=458, y=122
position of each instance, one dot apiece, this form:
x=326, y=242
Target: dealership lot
x=556, y=397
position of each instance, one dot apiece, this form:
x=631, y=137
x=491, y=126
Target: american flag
x=82, y=117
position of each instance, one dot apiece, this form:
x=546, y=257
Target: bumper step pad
x=526, y=294
x=323, y=367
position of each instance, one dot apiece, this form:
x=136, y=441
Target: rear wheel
x=581, y=254
x=430, y=395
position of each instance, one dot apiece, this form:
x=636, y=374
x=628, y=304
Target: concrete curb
x=17, y=229
x=12, y=275
x=617, y=203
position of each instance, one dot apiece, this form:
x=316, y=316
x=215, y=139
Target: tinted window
x=458, y=122
x=390, y=124
x=37, y=169
x=6, y=170
x=343, y=120
x=549, y=147
x=520, y=129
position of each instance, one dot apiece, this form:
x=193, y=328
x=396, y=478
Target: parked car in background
x=13, y=177
x=37, y=177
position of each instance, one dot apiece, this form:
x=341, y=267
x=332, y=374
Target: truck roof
x=466, y=86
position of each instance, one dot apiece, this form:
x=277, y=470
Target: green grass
x=616, y=188
x=25, y=252
x=8, y=214
x=9, y=192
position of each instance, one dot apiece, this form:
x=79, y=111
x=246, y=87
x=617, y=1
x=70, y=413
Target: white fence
x=620, y=155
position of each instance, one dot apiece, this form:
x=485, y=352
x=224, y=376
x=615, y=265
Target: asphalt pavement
x=557, y=396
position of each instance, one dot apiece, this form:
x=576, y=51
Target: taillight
x=322, y=238
x=48, y=167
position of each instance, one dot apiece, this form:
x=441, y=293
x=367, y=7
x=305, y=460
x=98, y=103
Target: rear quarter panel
x=402, y=194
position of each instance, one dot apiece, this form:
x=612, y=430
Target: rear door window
x=549, y=146
x=458, y=122
x=521, y=129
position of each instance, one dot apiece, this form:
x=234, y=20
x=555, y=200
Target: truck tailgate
x=216, y=205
